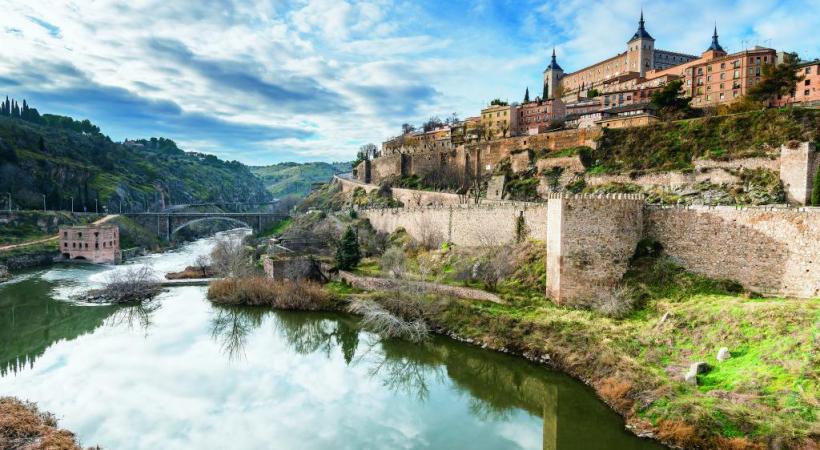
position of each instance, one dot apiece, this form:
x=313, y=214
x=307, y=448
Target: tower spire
x=554, y=62
x=641, y=33
x=715, y=44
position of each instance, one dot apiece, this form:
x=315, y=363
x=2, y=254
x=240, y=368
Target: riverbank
x=24, y=426
x=763, y=395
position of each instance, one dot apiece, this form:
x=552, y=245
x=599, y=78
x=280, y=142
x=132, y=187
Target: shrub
x=815, y=193
x=393, y=261
x=261, y=291
x=618, y=303
x=387, y=325
x=130, y=285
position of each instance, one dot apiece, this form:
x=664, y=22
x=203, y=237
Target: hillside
x=295, y=178
x=61, y=162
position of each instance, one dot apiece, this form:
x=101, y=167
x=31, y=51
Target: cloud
x=266, y=81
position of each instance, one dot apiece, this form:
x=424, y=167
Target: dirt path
x=53, y=238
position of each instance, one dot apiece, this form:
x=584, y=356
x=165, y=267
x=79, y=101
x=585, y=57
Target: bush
x=393, y=262
x=261, y=291
x=133, y=284
x=815, y=193
x=387, y=325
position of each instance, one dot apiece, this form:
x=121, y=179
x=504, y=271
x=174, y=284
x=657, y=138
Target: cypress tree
x=527, y=95
x=347, y=252
x=545, y=95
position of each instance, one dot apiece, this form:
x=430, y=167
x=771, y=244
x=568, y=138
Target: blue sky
x=279, y=80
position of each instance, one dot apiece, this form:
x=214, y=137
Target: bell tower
x=552, y=78
x=640, y=51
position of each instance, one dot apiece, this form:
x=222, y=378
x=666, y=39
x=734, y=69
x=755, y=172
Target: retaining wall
x=769, y=250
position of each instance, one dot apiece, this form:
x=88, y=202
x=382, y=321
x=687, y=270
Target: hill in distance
x=294, y=179
x=60, y=158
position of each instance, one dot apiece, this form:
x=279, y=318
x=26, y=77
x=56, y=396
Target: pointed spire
x=641, y=33
x=715, y=44
x=554, y=62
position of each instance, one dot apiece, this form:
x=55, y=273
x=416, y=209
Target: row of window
x=110, y=244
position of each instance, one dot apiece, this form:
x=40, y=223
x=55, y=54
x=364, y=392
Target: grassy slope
x=295, y=178
x=768, y=389
x=38, y=159
x=674, y=145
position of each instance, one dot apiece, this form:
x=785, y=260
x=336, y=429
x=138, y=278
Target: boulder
x=723, y=354
x=691, y=377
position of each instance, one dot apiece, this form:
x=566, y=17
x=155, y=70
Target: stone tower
x=640, y=52
x=552, y=77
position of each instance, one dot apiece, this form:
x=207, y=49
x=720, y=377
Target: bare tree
x=387, y=325
x=429, y=237
x=229, y=258
x=203, y=263
x=393, y=262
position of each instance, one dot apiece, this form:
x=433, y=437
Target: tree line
x=11, y=108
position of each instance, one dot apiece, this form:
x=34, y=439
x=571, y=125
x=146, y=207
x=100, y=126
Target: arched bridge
x=167, y=223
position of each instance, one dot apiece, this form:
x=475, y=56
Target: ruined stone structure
x=94, y=243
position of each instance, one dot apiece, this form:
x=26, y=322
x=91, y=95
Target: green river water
x=184, y=374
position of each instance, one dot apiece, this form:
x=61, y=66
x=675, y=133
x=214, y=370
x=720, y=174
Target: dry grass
x=617, y=393
x=679, y=433
x=261, y=291
x=23, y=426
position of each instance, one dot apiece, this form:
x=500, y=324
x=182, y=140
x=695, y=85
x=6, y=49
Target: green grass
x=767, y=390
x=278, y=228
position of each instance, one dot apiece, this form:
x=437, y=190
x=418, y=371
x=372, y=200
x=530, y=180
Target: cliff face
x=39, y=159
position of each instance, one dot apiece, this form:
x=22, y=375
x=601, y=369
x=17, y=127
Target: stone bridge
x=166, y=224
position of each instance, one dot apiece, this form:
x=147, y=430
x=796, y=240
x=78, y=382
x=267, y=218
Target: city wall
x=589, y=240
x=768, y=250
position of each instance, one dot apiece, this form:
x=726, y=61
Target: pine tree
x=527, y=95
x=347, y=252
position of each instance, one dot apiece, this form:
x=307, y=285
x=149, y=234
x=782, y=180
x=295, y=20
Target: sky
x=312, y=80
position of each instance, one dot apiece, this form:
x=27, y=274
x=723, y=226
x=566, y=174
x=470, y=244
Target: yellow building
x=499, y=121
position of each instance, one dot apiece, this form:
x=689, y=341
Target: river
x=185, y=374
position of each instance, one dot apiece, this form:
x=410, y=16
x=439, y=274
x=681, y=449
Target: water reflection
x=29, y=325
x=496, y=386
x=181, y=373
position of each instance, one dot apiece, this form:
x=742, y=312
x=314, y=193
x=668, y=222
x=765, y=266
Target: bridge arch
x=204, y=219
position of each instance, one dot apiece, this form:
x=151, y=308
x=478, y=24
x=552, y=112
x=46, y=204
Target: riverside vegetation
x=764, y=395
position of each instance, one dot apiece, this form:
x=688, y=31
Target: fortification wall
x=465, y=225
x=590, y=240
x=798, y=164
x=412, y=197
x=385, y=168
x=769, y=250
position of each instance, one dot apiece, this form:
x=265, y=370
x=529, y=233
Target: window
x=723, y=65
x=709, y=69
x=708, y=97
x=708, y=78
x=65, y=244
x=73, y=245
x=807, y=83
x=808, y=70
x=65, y=234
x=736, y=74
x=700, y=70
x=721, y=95
x=721, y=85
x=722, y=76
x=806, y=92
x=97, y=245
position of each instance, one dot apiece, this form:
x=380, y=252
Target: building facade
x=539, y=116
x=498, y=121
x=94, y=243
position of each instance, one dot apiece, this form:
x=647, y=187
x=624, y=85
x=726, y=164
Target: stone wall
x=768, y=250
x=386, y=168
x=798, y=164
x=466, y=225
x=590, y=240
